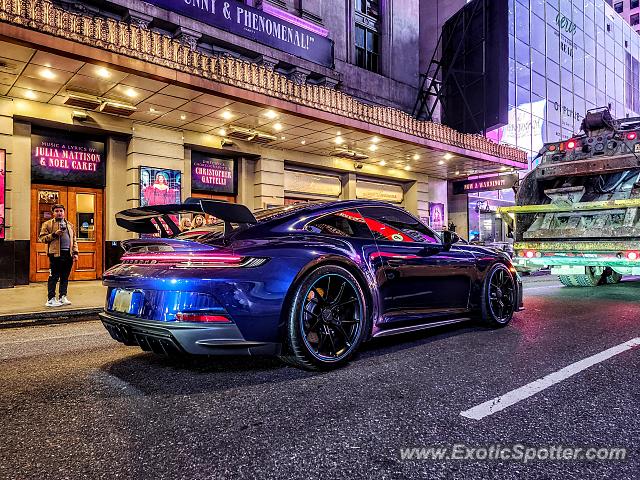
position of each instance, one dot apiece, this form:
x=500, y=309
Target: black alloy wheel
x=327, y=320
x=498, y=296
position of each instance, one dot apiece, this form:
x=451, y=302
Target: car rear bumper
x=175, y=338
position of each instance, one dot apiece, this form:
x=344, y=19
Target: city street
x=76, y=404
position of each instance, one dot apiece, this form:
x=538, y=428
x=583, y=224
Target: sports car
x=308, y=282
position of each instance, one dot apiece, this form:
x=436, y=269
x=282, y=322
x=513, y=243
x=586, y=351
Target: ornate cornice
x=144, y=44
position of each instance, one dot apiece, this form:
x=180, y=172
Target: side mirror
x=448, y=239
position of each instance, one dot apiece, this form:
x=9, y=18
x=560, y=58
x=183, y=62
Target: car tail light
x=193, y=260
x=631, y=135
x=202, y=317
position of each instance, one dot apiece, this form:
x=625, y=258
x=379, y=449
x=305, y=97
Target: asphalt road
x=75, y=404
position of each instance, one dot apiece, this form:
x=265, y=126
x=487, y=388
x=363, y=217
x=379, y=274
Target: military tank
x=578, y=211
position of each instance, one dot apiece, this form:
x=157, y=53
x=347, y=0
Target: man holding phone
x=62, y=248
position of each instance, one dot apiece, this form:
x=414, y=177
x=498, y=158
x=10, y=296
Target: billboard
x=213, y=175
x=62, y=158
x=3, y=178
x=475, y=67
x=159, y=186
x=280, y=30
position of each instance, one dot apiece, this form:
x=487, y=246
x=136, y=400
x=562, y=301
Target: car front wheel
x=498, y=296
x=326, y=321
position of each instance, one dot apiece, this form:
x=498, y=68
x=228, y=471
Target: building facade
x=629, y=10
x=111, y=105
x=565, y=57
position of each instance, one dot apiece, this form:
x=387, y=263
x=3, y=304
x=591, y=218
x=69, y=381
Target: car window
x=347, y=223
x=395, y=225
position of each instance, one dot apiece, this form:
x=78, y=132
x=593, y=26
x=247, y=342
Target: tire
x=613, y=278
x=326, y=321
x=590, y=279
x=498, y=297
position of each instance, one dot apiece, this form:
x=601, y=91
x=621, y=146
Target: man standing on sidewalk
x=62, y=248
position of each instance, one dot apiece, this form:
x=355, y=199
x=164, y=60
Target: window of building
x=393, y=224
x=369, y=7
x=367, y=34
x=635, y=3
x=618, y=6
x=634, y=19
x=342, y=224
x=367, y=49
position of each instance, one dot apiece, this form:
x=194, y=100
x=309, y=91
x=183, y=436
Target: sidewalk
x=26, y=302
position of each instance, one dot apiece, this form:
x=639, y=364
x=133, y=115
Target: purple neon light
x=307, y=25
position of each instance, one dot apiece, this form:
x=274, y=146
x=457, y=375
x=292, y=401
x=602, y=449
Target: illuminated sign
x=485, y=184
x=67, y=159
x=3, y=177
x=303, y=39
x=213, y=175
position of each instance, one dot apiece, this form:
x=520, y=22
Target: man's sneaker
x=52, y=303
x=64, y=300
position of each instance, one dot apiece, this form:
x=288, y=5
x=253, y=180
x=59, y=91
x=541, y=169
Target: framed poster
x=436, y=216
x=3, y=183
x=213, y=175
x=63, y=158
x=160, y=186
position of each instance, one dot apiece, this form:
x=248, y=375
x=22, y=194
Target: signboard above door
x=61, y=158
x=485, y=184
x=254, y=24
x=213, y=175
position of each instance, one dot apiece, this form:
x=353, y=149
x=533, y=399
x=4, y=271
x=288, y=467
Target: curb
x=49, y=317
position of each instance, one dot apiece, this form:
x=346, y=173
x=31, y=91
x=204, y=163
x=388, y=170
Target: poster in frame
x=160, y=186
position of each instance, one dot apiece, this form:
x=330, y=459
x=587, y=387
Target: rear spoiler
x=150, y=219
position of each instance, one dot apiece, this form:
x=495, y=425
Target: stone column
x=268, y=188
x=348, y=187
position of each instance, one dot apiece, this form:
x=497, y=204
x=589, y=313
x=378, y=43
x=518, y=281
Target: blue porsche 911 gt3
x=308, y=282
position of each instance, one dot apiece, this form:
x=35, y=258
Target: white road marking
x=44, y=339
x=514, y=396
x=528, y=289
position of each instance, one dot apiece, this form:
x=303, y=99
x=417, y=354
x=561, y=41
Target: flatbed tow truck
x=578, y=211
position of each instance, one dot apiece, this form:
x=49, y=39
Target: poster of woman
x=159, y=186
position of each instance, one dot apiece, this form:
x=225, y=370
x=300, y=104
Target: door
x=83, y=207
x=418, y=279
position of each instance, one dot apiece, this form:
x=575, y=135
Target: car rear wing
x=154, y=218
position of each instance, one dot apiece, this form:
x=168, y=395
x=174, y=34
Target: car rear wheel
x=327, y=320
x=498, y=297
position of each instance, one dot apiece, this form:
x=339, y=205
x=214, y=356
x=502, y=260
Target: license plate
x=122, y=300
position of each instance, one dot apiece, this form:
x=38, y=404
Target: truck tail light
x=632, y=255
x=571, y=145
x=632, y=135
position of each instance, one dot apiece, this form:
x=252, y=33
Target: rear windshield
x=215, y=230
